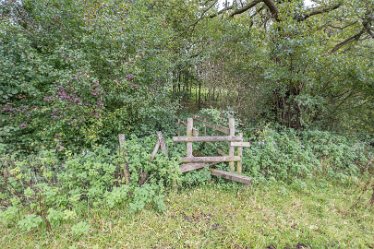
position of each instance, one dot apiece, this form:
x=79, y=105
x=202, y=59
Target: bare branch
x=273, y=9
x=221, y=11
x=355, y=37
x=367, y=24
x=317, y=11
x=339, y=27
x=245, y=8
x=202, y=15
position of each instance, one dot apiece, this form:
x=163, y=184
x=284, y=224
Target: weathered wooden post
x=122, y=149
x=240, y=154
x=163, y=145
x=189, y=134
x=232, y=148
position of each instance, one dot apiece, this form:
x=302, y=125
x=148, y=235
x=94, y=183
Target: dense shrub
x=289, y=154
x=45, y=189
x=50, y=188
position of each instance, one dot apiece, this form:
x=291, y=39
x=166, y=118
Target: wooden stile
x=190, y=162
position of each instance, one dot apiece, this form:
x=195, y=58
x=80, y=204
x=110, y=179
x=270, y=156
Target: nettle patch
x=48, y=189
x=44, y=190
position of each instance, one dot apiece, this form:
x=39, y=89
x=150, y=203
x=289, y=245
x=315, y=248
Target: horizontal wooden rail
x=240, y=144
x=210, y=159
x=186, y=167
x=231, y=176
x=208, y=139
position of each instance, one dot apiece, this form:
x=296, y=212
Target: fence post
x=232, y=148
x=122, y=149
x=189, y=134
x=240, y=154
x=163, y=145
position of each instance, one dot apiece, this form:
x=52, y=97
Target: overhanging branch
x=317, y=11
x=245, y=8
x=221, y=11
x=273, y=9
x=355, y=37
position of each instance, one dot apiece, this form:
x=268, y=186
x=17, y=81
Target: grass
x=312, y=214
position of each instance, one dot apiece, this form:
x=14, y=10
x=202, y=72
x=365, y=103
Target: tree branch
x=203, y=14
x=347, y=41
x=221, y=11
x=367, y=23
x=245, y=8
x=273, y=9
x=340, y=28
x=317, y=11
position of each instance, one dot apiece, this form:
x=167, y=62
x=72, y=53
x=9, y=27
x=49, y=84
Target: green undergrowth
x=316, y=213
x=50, y=189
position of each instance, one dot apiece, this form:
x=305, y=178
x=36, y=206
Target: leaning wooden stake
x=161, y=140
x=232, y=148
x=155, y=150
x=160, y=143
x=126, y=171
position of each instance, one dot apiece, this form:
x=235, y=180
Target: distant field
x=314, y=214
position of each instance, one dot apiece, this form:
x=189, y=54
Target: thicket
x=50, y=188
x=75, y=74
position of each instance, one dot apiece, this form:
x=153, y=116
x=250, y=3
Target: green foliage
x=75, y=74
x=49, y=190
x=316, y=213
x=79, y=229
x=82, y=81
x=30, y=222
x=288, y=154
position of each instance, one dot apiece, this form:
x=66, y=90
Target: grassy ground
x=314, y=214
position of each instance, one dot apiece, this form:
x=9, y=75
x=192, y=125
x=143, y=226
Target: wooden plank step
x=207, y=139
x=210, y=159
x=231, y=176
x=186, y=167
